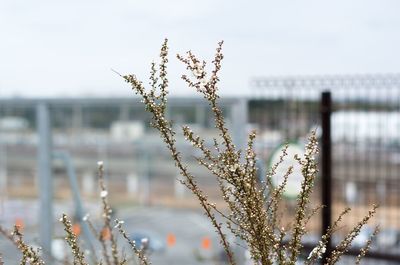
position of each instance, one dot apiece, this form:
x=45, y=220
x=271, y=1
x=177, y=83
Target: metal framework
x=366, y=102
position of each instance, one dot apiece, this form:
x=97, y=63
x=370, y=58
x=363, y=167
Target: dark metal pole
x=326, y=164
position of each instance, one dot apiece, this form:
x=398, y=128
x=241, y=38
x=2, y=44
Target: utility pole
x=44, y=152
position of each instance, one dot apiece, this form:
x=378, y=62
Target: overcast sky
x=66, y=48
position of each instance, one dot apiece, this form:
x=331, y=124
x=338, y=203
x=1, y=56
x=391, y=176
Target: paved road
x=188, y=227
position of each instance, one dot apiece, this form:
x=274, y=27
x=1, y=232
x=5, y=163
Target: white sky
x=66, y=48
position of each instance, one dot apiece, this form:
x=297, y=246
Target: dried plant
x=107, y=239
x=364, y=250
x=252, y=217
x=107, y=229
x=29, y=254
x=72, y=240
x=111, y=254
x=140, y=253
x=254, y=213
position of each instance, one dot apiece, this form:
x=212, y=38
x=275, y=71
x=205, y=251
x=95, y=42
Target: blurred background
x=62, y=109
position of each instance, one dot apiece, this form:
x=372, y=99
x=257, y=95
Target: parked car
x=148, y=240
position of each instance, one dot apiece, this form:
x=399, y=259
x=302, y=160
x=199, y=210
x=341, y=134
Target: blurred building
x=115, y=130
x=365, y=135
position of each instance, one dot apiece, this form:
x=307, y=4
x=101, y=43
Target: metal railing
x=360, y=150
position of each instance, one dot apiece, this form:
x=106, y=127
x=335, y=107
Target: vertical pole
x=239, y=118
x=239, y=115
x=3, y=176
x=45, y=179
x=326, y=163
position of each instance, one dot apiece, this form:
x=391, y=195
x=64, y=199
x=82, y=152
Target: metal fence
x=365, y=138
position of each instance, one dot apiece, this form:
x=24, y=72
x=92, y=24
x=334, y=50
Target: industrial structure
x=365, y=126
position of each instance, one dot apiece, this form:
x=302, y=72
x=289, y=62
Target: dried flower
x=252, y=217
x=103, y=193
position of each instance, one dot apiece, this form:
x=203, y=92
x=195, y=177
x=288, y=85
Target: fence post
x=326, y=170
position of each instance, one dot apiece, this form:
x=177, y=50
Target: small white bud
x=103, y=193
x=86, y=217
x=120, y=222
